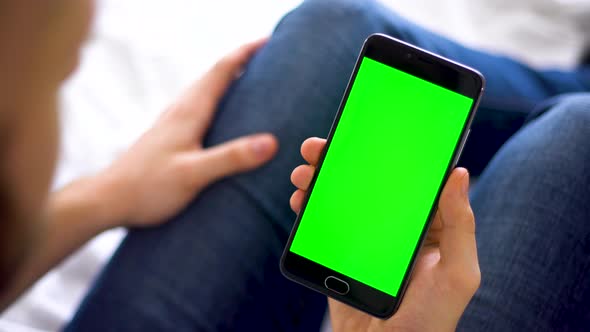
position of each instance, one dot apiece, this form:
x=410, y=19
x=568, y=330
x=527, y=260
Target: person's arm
x=446, y=274
x=157, y=177
x=74, y=215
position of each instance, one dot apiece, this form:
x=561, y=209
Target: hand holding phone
x=395, y=140
x=446, y=274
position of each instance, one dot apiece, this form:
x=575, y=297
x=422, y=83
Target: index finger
x=201, y=99
x=215, y=82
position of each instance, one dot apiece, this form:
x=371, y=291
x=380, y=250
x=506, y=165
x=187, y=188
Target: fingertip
x=302, y=175
x=247, y=50
x=312, y=148
x=215, y=82
x=257, y=43
x=264, y=146
x=294, y=175
x=457, y=244
x=317, y=140
x=296, y=200
x=234, y=62
x=461, y=179
x=461, y=171
x=455, y=185
x=454, y=205
x=307, y=144
x=458, y=175
x=465, y=183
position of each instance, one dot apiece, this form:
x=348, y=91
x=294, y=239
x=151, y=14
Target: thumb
x=238, y=155
x=457, y=242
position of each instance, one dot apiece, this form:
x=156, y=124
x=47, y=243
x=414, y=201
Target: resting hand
x=446, y=274
x=168, y=165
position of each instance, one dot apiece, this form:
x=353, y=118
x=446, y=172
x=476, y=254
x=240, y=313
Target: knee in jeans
x=560, y=136
x=572, y=118
x=350, y=19
x=342, y=16
x=351, y=9
x=557, y=139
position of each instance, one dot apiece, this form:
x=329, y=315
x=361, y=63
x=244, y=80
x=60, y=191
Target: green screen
x=379, y=179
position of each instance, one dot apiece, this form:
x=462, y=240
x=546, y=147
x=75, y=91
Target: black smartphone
x=399, y=131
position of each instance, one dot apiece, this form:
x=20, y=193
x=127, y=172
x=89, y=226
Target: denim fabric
x=532, y=207
x=215, y=266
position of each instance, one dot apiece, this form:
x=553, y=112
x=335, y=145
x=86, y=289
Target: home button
x=337, y=285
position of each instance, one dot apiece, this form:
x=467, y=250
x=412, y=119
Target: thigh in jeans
x=532, y=208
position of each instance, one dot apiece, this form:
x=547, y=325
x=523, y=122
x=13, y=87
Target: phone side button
x=337, y=285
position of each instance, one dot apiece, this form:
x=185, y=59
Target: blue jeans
x=532, y=207
x=215, y=266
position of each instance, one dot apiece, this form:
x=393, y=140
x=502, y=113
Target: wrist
x=109, y=199
x=97, y=201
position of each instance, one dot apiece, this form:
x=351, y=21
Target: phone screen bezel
x=427, y=66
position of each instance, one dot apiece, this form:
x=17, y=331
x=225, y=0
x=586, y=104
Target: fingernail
x=261, y=146
x=466, y=183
